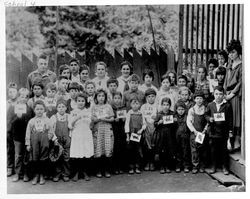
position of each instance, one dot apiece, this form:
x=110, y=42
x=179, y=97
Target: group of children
x=77, y=126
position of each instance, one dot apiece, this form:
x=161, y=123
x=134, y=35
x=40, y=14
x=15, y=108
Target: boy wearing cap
x=60, y=129
x=182, y=138
x=149, y=111
x=133, y=92
x=219, y=115
x=197, y=124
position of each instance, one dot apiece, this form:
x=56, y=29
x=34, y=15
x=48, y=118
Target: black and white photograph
x=125, y=98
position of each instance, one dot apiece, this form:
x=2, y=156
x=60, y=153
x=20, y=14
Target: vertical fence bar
x=213, y=30
x=218, y=29
x=197, y=34
x=228, y=24
x=223, y=27
x=180, y=55
x=192, y=37
x=202, y=31
x=233, y=19
x=238, y=22
x=207, y=31
x=186, y=33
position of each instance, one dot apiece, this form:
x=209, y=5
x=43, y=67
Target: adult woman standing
x=233, y=87
x=126, y=70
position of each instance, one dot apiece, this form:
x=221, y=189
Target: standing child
x=102, y=118
x=101, y=76
x=197, y=123
x=219, y=115
x=64, y=70
x=149, y=111
x=220, y=75
x=135, y=124
x=148, y=78
x=50, y=99
x=90, y=90
x=182, y=81
x=112, y=85
x=12, y=99
x=133, y=92
x=59, y=123
x=165, y=136
x=119, y=133
x=182, y=138
x=73, y=89
x=185, y=96
x=37, y=89
x=38, y=134
x=81, y=148
x=18, y=117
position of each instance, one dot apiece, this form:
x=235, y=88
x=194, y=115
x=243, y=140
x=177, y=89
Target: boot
x=35, y=179
x=42, y=180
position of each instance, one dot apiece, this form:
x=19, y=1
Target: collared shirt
x=75, y=78
x=219, y=105
x=46, y=77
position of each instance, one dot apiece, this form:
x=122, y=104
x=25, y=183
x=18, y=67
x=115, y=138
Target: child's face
x=165, y=84
x=182, y=82
x=220, y=77
x=165, y=106
x=201, y=73
x=211, y=67
x=23, y=98
x=180, y=110
x=135, y=105
x=101, y=98
x=50, y=93
x=74, y=67
x=73, y=93
x=66, y=73
x=184, y=95
x=80, y=102
x=133, y=85
x=42, y=65
x=37, y=90
x=148, y=80
x=112, y=87
x=84, y=75
x=100, y=70
x=198, y=100
x=63, y=83
x=233, y=55
x=221, y=60
x=90, y=89
x=12, y=93
x=61, y=109
x=218, y=96
x=151, y=99
x=117, y=99
x=172, y=78
x=39, y=110
x=125, y=70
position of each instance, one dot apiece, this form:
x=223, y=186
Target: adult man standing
x=41, y=73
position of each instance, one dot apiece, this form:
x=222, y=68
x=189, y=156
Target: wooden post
x=197, y=34
x=56, y=49
x=180, y=44
x=192, y=37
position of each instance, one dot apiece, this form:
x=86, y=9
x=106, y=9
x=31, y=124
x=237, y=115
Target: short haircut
x=134, y=78
x=150, y=91
x=100, y=63
x=184, y=88
x=62, y=77
x=61, y=101
x=74, y=85
x=83, y=95
x=42, y=56
x=98, y=92
x=89, y=82
x=51, y=86
x=24, y=90
x=128, y=64
x=74, y=60
x=183, y=77
x=148, y=72
x=39, y=102
x=219, y=88
x=167, y=100
x=214, y=62
x=199, y=93
x=83, y=67
x=63, y=68
x=180, y=103
x=221, y=71
x=165, y=76
x=134, y=98
x=118, y=93
x=234, y=45
x=112, y=80
x=224, y=54
x=37, y=82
